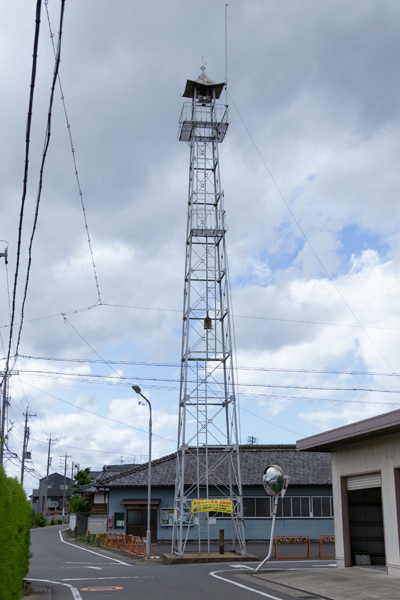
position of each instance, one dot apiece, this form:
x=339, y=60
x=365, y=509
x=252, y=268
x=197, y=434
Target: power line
x=41, y=172
x=311, y=400
x=271, y=422
x=75, y=166
x=306, y=238
x=96, y=414
x=255, y=317
x=88, y=449
x=177, y=365
x=127, y=379
x=91, y=347
x=25, y=180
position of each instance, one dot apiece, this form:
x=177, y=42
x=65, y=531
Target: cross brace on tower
x=208, y=461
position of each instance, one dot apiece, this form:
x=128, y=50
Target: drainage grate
x=40, y=590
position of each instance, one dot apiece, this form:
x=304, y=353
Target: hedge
x=15, y=522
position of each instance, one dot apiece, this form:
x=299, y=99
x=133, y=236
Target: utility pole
x=4, y=254
x=3, y=405
x=65, y=484
x=72, y=472
x=25, y=444
x=6, y=375
x=3, y=418
x=47, y=476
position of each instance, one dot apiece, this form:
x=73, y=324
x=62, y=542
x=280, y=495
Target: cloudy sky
x=311, y=179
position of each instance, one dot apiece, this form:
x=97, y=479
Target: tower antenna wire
x=307, y=241
x=75, y=166
x=226, y=54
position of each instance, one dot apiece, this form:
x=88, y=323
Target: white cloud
x=318, y=90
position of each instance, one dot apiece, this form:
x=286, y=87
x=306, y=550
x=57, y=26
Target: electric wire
x=44, y=156
x=169, y=389
x=177, y=365
x=306, y=238
x=255, y=317
x=95, y=351
x=74, y=161
x=97, y=415
x=127, y=379
x=25, y=180
x=88, y=449
x=272, y=423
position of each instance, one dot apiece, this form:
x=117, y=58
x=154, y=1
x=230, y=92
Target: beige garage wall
x=376, y=455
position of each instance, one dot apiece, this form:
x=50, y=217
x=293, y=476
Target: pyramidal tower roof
x=204, y=86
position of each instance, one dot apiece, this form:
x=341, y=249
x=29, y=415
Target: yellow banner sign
x=224, y=506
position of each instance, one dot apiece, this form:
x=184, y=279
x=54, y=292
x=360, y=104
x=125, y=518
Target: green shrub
x=15, y=522
x=59, y=522
x=78, y=504
x=38, y=520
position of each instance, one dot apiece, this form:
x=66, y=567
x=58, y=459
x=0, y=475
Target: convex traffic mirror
x=274, y=480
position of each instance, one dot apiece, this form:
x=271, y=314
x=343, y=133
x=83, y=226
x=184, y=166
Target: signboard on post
x=224, y=506
x=168, y=515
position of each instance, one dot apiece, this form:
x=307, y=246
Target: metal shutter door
x=363, y=482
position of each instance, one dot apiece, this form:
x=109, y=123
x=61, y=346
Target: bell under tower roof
x=204, y=86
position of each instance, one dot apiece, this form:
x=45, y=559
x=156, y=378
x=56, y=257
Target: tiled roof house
x=305, y=510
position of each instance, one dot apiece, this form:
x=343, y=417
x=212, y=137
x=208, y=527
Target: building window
x=322, y=506
x=249, y=507
x=253, y=507
x=263, y=507
x=289, y=507
x=257, y=507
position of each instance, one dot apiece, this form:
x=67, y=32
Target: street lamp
x=137, y=389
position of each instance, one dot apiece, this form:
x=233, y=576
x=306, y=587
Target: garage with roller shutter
x=366, y=488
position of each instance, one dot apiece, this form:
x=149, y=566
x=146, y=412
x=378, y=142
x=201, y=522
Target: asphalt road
x=74, y=572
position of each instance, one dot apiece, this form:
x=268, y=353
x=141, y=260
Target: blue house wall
x=257, y=528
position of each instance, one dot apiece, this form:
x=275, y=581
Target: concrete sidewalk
x=333, y=584
x=256, y=551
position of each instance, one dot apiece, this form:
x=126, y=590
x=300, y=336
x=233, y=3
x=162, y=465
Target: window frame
x=321, y=516
x=309, y=498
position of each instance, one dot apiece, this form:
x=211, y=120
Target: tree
x=77, y=503
x=82, y=478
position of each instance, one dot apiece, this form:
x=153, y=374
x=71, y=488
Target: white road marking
x=73, y=589
x=245, y=587
x=91, y=551
x=84, y=562
x=96, y=568
x=241, y=567
x=324, y=566
x=107, y=578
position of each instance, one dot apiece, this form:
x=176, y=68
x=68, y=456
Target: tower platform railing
x=205, y=122
x=208, y=218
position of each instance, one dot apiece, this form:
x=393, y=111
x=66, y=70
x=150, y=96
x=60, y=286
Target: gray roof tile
x=303, y=468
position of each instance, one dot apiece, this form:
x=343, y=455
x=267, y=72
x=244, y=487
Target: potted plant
x=361, y=557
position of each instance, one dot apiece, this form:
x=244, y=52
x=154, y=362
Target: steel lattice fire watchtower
x=208, y=464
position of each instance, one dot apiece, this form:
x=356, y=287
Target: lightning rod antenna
x=226, y=54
